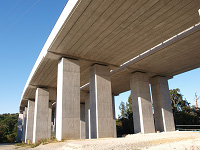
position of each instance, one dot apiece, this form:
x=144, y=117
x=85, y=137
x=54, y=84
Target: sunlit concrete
x=30, y=122
x=19, y=128
x=101, y=112
x=164, y=120
x=24, y=124
x=68, y=100
x=41, y=115
x=141, y=101
x=112, y=34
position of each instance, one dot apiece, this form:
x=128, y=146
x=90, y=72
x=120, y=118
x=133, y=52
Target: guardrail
x=188, y=127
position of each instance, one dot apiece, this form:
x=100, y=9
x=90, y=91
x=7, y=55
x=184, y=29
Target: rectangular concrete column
x=19, y=128
x=49, y=120
x=101, y=112
x=54, y=120
x=68, y=100
x=82, y=121
x=41, y=115
x=164, y=119
x=87, y=116
x=141, y=101
x=114, y=118
x=24, y=124
x=30, y=121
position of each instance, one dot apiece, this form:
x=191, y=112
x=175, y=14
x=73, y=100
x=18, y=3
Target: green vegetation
x=184, y=114
x=43, y=142
x=8, y=128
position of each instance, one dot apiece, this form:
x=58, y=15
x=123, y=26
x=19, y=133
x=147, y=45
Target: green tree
x=8, y=128
x=184, y=114
x=125, y=119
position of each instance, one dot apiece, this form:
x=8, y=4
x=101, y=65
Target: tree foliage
x=184, y=114
x=8, y=128
x=125, y=120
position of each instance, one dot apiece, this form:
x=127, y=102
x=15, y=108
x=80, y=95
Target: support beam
x=82, y=121
x=19, y=128
x=164, y=119
x=41, y=115
x=30, y=122
x=101, y=112
x=141, y=100
x=24, y=124
x=68, y=100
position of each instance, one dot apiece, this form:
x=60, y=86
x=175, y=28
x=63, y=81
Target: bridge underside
x=155, y=38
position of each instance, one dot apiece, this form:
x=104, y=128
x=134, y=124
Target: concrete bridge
x=99, y=49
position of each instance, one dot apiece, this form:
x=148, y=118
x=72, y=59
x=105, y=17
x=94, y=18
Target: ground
x=177, y=140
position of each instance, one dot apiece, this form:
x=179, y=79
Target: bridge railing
x=188, y=127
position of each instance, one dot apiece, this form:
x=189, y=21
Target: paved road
x=7, y=146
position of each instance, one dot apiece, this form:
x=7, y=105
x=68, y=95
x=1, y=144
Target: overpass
x=99, y=49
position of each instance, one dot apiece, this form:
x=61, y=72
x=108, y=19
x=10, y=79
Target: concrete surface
x=101, y=111
x=141, y=101
x=40, y=127
x=114, y=117
x=109, y=32
x=49, y=119
x=24, y=124
x=19, y=128
x=68, y=100
x=82, y=122
x=164, y=120
x=87, y=116
x=30, y=121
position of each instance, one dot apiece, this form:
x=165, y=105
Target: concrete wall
x=101, y=112
x=68, y=100
x=164, y=120
x=41, y=115
x=141, y=101
x=19, y=128
x=30, y=121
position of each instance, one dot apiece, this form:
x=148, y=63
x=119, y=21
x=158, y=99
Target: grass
x=43, y=142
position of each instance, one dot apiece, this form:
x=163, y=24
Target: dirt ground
x=177, y=140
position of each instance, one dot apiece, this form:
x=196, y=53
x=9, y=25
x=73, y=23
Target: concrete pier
x=41, y=115
x=114, y=117
x=82, y=121
x=87, y=116
x=30, y=121
x=24, y=124
x=101, y=112
x=19, y=128
x=54, y=120
x=164, y=120
x=141, y=101
x=68, y=100
x=49, y=120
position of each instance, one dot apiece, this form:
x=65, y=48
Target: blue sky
x=24, y=27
